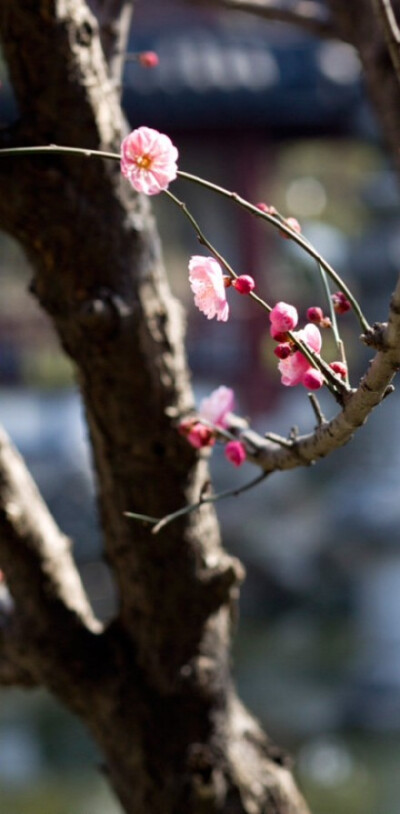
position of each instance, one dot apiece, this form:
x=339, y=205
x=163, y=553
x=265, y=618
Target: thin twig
x=307, y=14
x=317, y=409
x=336, y=386
x=280, y=224
x=384, y=11
x=332, y=312
x=160, y=523
x=202, y=238
x=277, y=439
x=275, y=221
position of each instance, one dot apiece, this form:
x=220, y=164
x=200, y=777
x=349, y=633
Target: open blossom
x=148, y=160
x=296, y=369
x=283, y=318
x=216, y=406
x=235, y=453
x=207, y=283
x=212, y=414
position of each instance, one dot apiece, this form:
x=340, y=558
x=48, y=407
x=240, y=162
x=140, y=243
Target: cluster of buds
x=212, y=417
x=292, y=223
x=149, y=162
x=294, y=367
x=316, y=315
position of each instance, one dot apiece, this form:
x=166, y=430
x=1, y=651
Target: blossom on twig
x=296, y=368
x=216, y=407
x=283, y=318
x=148, y=160
x=207, y=283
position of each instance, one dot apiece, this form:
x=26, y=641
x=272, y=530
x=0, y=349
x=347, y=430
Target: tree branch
x=12, y=673
x=36, y=560
x=330, y=435
x=306, y=14
x=114, y=18
x=385, y=13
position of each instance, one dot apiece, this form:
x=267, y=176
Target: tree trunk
x=154, y=688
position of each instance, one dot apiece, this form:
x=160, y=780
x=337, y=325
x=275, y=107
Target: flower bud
x=339, y=368
x=235, y=453
x=270, y=210
x=148, y=59
x=313, y=379
x=340, y=303
x=283, y=350
x=294, y=225
x=196, y=433
x=283, y=318
x=244, y=284
x=316, y=315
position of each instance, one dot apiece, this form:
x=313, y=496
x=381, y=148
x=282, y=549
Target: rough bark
x=154, y=688
x=361, y=24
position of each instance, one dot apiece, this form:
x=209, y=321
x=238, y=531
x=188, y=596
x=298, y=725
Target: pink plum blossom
x=235, y=453
x=207, y=283
x=148, y=160
x=283, y=318
x=216, y=406
x=296, y=369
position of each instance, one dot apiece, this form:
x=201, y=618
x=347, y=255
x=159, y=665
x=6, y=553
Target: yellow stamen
x=144, y=162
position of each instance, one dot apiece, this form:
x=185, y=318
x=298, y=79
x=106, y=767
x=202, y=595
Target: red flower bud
x=235, y=453
x=148, y=59
x=283, y=350
x=339, y=368
x=340, y=303
x=244, y=284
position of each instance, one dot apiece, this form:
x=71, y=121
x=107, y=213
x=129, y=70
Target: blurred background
x=280, y=117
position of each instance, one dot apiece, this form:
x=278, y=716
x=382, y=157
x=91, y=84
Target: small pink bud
x=196, y=433
x=148, y=59
x=283, y=318
x=283, y=350
x=340, y=303
x=339, y=368
x=294, y=225
x=235, y=453
x=313, y=379
x=244, y=284
x=315, y=314
x=270, y=210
